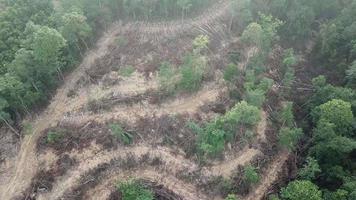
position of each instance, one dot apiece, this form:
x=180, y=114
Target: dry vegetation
x=111, y=121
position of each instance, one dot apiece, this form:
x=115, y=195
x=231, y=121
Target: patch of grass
x=54, y=136
x=134, y=190
x=127, y=71
x=120, y=133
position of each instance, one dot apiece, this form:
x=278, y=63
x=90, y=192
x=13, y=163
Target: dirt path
x=130, y=113
x=269, y=178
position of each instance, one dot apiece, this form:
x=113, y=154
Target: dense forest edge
x=41, y=41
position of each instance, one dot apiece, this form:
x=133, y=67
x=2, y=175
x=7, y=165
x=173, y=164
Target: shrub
x=53, y=136
x=231, y=197
x=310, y=170
x=120, y=133
x=255, y=97
x=250, y=175
x=231, y=73
x=133, y=190
x=298, y=190
x=167, y=80
x=192, y=72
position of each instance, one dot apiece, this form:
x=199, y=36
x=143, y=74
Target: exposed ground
x=89, y=167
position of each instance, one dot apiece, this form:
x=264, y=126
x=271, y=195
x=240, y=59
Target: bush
x=298, y=190
x=231, y=73
x=53, y=136
x=192, y=73
x=167, y=80
x=231, y=197
x=120, y=133
x=133, y=190
x=255, y=97
x=250, y=175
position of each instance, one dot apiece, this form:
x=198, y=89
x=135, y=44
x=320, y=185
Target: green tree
x=298, y=190
x=310, y=170
x=351, y=75
x=337, y=112
x=75, y=29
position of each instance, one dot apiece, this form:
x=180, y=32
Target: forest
x=195, y=83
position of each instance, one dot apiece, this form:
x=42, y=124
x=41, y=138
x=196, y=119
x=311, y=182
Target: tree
x=255, y=97
x=75, y=29
x=298, y=190
x=253, y=34
x=351, y=75
x=286, y=116
x=46, y=43
x=310, y=170
x=243, y=113
x=337, y=112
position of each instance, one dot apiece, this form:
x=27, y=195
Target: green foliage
x=255, y=97
x=250, y=175
x=192, y=72
x=289, y=137
x=231, y=197
x=211, y=142
x=213, y=136
x=337, y=112
x=337, y=195
x=351, y=75
x=286, y=116
x=253, y=34
x=231, y=73
x=289, y=59
x=167, y=80
x=53, y=136
x=120, y=133
x=327, y=92
x=200, y=43
x=127, y=71
x=75, y=29
x=298, y=190
x=310, y=170
x=134, y=190
x=243, y=113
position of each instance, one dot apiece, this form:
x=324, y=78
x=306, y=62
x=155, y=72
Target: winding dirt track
x=25, y=166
